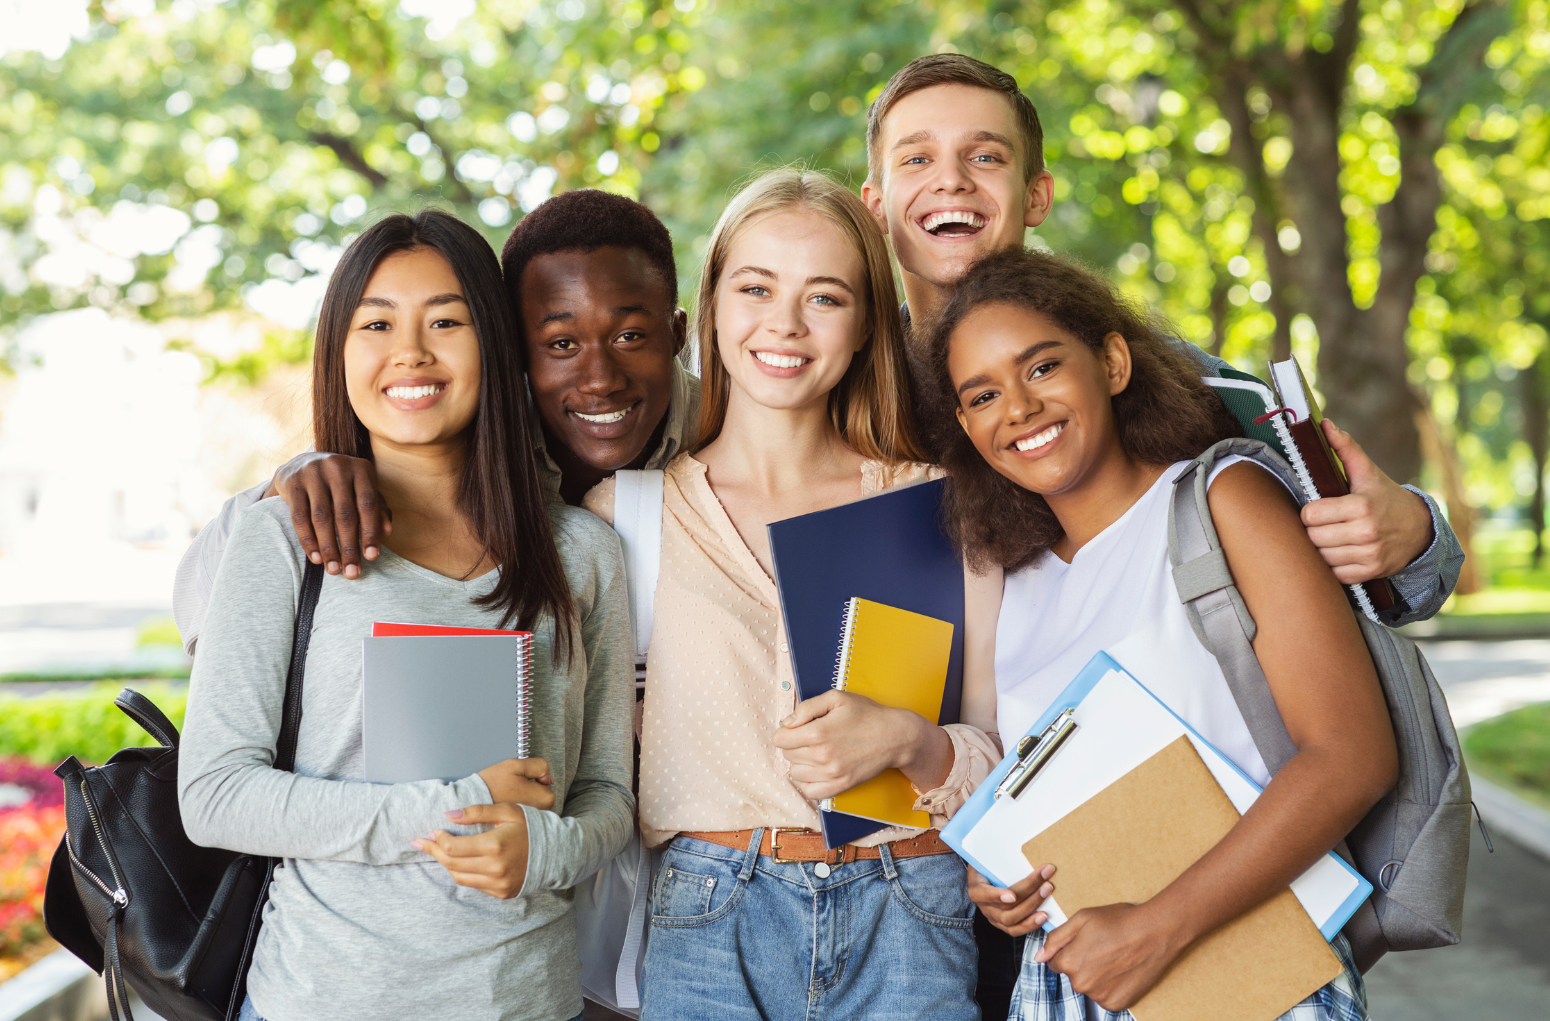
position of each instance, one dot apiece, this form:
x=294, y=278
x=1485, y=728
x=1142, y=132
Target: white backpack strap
x=638, y=520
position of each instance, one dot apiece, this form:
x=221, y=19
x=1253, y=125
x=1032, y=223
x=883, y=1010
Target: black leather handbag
x=132, y=896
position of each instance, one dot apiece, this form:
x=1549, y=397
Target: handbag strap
x=290, y=718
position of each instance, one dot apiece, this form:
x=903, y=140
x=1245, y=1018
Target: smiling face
x=601, y=335
x=790, y=309
x=950, y=185
x=1035, y=401
x=411, y=358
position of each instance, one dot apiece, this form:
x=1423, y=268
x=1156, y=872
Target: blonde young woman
x=804, y=390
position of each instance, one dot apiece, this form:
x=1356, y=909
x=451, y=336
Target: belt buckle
x=831, y=857
x=775, y=843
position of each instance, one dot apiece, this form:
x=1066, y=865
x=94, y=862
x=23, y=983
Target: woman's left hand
x=494, y=861
x=840, y=739
x=1114, y=954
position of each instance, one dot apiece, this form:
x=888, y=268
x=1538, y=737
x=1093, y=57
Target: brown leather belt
x=783, y=845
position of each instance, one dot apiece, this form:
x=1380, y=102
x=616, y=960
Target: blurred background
x=1363, y=184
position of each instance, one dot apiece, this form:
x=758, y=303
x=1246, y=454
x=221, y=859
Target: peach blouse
x=719, y=679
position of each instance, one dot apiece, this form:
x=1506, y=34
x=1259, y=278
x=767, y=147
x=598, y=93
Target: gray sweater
x=359, y=924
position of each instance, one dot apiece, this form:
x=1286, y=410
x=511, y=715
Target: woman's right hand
x=335, y=508
x=519, y=782
x=1013, y=909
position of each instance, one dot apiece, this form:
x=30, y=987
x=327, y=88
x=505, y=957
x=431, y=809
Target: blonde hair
x=869, y=405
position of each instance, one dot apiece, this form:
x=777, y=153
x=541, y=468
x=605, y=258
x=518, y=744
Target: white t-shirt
x=1117, y=596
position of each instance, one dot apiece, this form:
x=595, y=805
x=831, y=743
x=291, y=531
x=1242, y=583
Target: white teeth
x=607, y=418
x=781, y=361
x=410, y=393
x=1038, y=440
x=936, y=220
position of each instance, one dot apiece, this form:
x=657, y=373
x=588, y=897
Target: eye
x=988, y=395
x=445, y=324
x=563, y=344
x=908, y=160
x=1043, y=369
x=988, y=157
x=630, y=337
x=755, y=290
x=827, y=299
x=375, y=326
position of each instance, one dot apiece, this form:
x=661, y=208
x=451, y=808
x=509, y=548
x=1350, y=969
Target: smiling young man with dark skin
x=955, y=173
x=593, y=279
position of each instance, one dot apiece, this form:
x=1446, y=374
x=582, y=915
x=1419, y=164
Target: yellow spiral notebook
x=899, y=659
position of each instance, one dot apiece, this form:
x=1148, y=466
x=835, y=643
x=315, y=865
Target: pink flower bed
x=29, y=832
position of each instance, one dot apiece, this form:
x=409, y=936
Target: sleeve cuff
x=1431, y=552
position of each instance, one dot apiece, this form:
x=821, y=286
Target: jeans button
x=822, y=870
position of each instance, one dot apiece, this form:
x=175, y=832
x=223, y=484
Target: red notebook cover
x=389, y=629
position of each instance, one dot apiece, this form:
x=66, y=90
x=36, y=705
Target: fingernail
x=351, y=571
x=371, y=552
x=1009, y=898
x=315, y=558
x=456, y=813
x=1046, y=890
x=417, y=844
x=787, y=721
x=333, y=567
x=1049, y=870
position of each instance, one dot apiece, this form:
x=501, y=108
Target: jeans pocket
x=692, y=889
x=935, y=889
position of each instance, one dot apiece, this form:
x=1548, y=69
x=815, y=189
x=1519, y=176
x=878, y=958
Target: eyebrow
x=567, y=317
x=979, y=136
x=440, y=299
x=771, y=275
x=1029, y=352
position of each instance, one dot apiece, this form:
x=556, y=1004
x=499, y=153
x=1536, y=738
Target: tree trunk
x=1363, y=355
x=1536, y=432
x=1441, y=451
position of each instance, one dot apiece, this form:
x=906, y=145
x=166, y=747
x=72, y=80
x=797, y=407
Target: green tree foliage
x=1363, y=181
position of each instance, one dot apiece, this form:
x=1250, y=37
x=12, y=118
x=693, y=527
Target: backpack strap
x=638, y=520
x=1216, y=610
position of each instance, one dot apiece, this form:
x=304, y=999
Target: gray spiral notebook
x=442, y=707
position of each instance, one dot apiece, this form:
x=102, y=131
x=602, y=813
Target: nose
x=598, y=372
x=410, y=349
x=787, y=316
x=952, y=178
x=1023, y=405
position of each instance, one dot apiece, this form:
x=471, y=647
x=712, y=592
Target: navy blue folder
x=889, y=548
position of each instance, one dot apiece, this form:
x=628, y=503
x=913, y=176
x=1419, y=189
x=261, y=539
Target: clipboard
x=1119, y=724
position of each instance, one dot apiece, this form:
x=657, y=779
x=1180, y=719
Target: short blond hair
x=869, y=405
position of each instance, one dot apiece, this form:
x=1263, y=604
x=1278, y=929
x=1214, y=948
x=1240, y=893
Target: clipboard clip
x=1033, y=753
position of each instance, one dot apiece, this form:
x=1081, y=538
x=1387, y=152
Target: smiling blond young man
x=955, y=172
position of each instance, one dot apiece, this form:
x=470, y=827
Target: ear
x=872, y=196
x=1038, y=199
x=963, y=422
x=680, y=330
x=1115, y=357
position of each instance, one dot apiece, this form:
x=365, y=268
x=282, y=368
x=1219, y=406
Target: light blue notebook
x=1119, y=724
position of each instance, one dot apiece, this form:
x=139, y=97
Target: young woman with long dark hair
x=417, y=367
x=1074, y=414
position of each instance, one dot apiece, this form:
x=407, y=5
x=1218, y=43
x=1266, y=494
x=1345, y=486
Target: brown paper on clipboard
x=1136, y=836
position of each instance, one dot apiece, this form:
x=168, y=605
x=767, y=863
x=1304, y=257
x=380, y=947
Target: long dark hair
x=1166, y=413
x=500, y=489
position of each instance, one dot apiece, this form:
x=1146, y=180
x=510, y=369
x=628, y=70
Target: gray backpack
x=1414, y=844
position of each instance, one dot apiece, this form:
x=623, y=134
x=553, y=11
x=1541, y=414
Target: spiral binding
x=524, y=694
x=842, y=657
x=1305, y=479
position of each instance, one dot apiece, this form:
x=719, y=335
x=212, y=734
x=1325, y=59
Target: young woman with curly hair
x=1071, y=415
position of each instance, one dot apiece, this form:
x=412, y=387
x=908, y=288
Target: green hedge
x=84, y=723
x=1514, y=748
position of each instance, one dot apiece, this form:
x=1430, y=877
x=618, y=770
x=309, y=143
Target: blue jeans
x=248, y=1012
x=738, y=937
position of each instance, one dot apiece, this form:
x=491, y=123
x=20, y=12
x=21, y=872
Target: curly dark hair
x=588, y=219
x=1166, y=413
